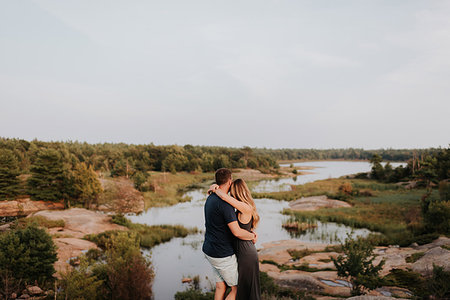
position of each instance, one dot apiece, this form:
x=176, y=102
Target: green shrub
x=80, y=283
x=194, y=294
x=439, y=285
x=357, y=265
x=437, y=217
x=436, y=286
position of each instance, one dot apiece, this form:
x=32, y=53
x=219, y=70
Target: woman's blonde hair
x=239, y=190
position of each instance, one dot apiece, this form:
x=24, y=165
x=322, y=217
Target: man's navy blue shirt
x=218, y=237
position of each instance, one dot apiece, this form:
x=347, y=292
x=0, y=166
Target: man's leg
x=221, y=288
x=232, y=294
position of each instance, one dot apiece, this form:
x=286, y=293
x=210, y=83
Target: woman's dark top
x=248, y=266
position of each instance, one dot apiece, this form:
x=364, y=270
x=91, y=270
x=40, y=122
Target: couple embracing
x=229, y=238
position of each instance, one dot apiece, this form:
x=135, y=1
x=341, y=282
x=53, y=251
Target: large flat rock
x=80, y=221
x=437, y=256
x=315, y=203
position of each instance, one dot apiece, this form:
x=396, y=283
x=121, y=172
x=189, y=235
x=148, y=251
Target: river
x=183, y=257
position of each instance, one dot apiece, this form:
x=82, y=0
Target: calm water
x=182, y=257
x=322, y=170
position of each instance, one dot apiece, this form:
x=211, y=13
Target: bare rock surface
x=441, y=241
x=78, y=223
x=26, y=206
x=315, y=203
x=368, y=297
x=437, y=256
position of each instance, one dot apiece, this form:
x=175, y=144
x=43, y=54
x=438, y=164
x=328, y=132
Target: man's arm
x=241, y=233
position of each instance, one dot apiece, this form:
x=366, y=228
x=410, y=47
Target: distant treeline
x=122, y=159
x=125, y=159
x=345, y=154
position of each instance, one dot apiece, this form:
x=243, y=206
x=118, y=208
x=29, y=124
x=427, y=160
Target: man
x=221, y=228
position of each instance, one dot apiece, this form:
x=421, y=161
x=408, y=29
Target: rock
x=80, y=221
x=367, y=297
x=441, y=241
x=13, y=296
x=437, y=256
x=5, y=227
x=26, y=206
x=24, y=296
x=316, y=202
x=34, y=290
x=295, y=280
x=414, y=245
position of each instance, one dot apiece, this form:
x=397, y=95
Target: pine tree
x=9, y=170
x=85, y=184
x=29, y=254
x=48, y=178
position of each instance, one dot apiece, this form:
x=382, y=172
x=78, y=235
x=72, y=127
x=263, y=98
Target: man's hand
x=256, y=237
x=212, y=188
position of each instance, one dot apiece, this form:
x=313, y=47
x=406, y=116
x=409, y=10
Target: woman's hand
x=255, y=239
x=213, y=188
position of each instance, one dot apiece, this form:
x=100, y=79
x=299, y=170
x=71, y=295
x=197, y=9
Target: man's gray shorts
x=225, y=269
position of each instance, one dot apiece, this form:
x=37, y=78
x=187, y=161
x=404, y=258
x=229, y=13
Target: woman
x=247, y=257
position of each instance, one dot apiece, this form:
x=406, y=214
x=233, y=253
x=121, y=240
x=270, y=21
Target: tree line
x=53, y=171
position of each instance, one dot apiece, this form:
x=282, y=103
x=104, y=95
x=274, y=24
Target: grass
x=392, y=211
x=329, y=187
x=298, y=254
x=169, y=189
x=380, y=207
x=303, y=267
x=151, y=236
x=316, y=188
x=414, y=257
x=40, y=221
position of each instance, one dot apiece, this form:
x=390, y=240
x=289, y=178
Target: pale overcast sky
x=265, y=73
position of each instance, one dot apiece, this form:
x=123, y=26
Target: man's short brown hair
x=223, y=175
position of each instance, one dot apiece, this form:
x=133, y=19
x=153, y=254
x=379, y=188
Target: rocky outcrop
x=286, y=271
x=315, y=203
x=435, y=256
x=78, y=223
x=26, y=206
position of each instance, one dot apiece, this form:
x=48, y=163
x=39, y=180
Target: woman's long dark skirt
x=248, y=266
